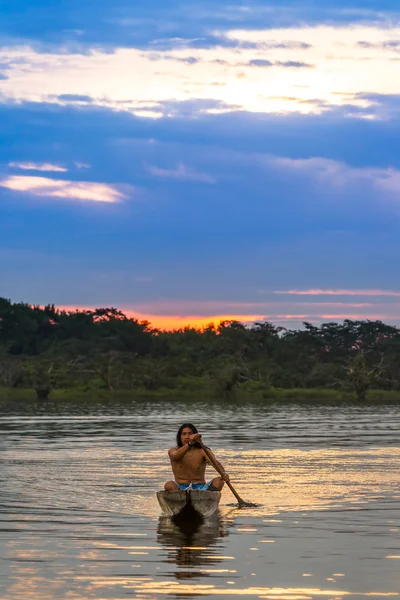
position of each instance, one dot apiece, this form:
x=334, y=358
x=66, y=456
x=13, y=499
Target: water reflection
x=191, y=546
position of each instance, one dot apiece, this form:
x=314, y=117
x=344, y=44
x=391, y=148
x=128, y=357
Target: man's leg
x=217, y=484
x=171, y=486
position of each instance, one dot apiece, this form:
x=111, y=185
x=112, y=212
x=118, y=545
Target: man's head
x=184, y=433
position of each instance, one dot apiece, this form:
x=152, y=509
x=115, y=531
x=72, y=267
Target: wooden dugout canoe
x=187, y=504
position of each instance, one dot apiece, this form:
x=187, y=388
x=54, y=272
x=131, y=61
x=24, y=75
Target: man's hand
x=195, y=437
x=225, y=477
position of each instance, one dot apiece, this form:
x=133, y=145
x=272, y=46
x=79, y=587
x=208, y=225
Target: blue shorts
x=195, y=486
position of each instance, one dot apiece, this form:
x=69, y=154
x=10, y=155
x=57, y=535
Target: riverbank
x=242, y=394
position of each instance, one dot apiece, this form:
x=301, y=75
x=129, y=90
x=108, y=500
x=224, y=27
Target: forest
x=44, y=349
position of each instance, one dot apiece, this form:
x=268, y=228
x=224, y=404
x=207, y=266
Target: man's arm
x=179, y=453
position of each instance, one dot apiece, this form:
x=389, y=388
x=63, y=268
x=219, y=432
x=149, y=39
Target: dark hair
x=181, y=428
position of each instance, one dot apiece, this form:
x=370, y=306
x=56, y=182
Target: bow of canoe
x=200, y=503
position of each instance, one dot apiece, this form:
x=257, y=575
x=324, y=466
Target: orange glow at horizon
x=167, y=322
x=170, y=322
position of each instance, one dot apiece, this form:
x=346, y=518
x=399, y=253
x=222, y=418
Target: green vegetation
x=102, y=353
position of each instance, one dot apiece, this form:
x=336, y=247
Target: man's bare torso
x=190, y=468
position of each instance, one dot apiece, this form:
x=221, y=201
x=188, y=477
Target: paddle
x=241, y=502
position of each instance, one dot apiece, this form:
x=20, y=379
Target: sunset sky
x=188, y=162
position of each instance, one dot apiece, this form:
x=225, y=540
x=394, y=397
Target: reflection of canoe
x=189, y=503
x=193, y=544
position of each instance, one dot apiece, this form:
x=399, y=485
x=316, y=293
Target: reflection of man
x=189, y=461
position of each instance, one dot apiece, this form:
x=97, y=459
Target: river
x=79, y=516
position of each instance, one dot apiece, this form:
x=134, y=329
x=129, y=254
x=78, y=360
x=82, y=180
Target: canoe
x=189, y=504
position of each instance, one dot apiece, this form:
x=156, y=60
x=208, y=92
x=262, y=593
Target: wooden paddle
x=241, y=502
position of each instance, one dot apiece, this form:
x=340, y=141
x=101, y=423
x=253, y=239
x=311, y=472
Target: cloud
x=391, y=45
x=89, y=131
x=346, y=292
x=259, y=62
x=189, y=60
x=29, y=166
x=75, y=98
x=263, y=39
x=294, y=64
x=383, y=106
x=194, y=108
x=341, y=175
x=324, y=59
x=56, y=188
x=182, y=173
x=81, y=26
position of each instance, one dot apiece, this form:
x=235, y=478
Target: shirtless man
x=189, y=461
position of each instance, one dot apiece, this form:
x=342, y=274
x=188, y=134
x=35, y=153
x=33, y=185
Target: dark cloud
x=392, y=44
x=192, y=108
x=384, y=105
x=220, y=40
x=75, y=98
x=190, y=60
x=386, y=45
x=260, y=63
x=157, y=56
x=294, y=64
x=366, y=45
x=89, y=129
x=287, y=63
x=208, y=41
x=289, y=45
x=81, y=26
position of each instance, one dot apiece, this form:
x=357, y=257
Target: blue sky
x=187, y=162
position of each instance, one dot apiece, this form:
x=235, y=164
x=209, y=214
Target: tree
x=360, y=376
x=45, y=347
x=39, y=375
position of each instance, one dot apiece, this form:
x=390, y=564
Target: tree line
x=43, y=348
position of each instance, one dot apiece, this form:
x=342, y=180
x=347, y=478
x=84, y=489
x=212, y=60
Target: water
x=79, y=517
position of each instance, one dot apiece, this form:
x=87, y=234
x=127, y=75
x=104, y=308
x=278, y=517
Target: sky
x=189, y=162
